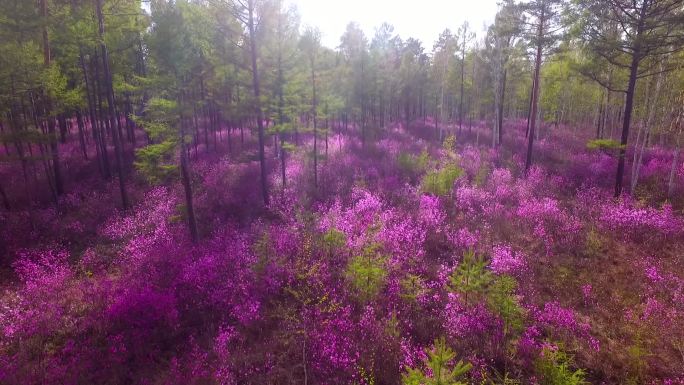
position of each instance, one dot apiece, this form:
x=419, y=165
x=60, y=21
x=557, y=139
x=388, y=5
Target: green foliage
x=637, y=353
x=413, y=165
x=411, y=287
x=605, y=145
x=63, y=97
x=503, y=302
x=334, y=239
x=441, y=182
x=367, y=273
x=156, y=161
x=471, y=278
x=443, y=372
x=554, y=367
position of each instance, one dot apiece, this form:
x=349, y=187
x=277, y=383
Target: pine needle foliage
x=440, y=369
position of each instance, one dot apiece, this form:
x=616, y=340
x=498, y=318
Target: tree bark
x=81, y=134
x=636, y=167
x=110, y=101
x=502, y=100
x=314, y=112
x=257, y=100
x=54, y=147
x=185, y=176
x=629, y=103
x=675, y=163
x=535, y=92
x=5, y=201
x=460, y=108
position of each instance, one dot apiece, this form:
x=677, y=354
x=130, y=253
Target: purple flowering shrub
x=369, y=278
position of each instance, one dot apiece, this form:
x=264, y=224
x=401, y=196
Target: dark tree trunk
x=501, y=105
x=110, y=100
x=185, y=177
x=63, y=128
x=629, y=103
x=54, y=147
x=600, y=119
x=5, y=201
x=529, y=108
x=314, y=112
x=535, y=93
x=257, y=101
x=460, y=108
x=81, y=134
x=102, y=128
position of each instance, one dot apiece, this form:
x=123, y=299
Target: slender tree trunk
x=629, y=102
x=81, y=133
x=110, y=101
x=61, y=120
x=103, y=123
x=497, y=93
x=257, y=99
x=535, y=91
x=460, y=108
x=24, y=163
x=185, y=176
x=529, y=109
x=54, y=147
x=43, y=151
x=636, y=167
x=675, y=162
x=5, y=201
x=314, y=112
x=4, y=143
x=599, y=120
x=502, y=100
x=130, y=125
x=326, y=133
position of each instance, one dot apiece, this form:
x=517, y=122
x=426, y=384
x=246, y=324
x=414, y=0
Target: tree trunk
x=314, y=112
x=502, y=100
x=636, y=167
x=675, y=163
x=54, y=147
x=535, y=93
x=102, y=158
x=629, y=103
x=257, y=100
x=110, y=101
x=5, y=201
x=63, y=128
x=599, y=120
x=81, y=134
x=529, y=108
x=185, y=177
x=460, y=108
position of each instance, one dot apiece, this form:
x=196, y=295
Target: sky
x=420, y=19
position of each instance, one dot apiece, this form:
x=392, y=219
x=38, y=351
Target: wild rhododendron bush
x=376, y=280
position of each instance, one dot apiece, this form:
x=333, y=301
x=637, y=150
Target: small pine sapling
x=440, y=369
x=366, y=272
x=471, y=278
x=554, y=367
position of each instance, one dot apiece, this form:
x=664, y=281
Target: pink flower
x=506, y=261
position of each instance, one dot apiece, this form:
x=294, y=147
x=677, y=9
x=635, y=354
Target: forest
x=202, y=192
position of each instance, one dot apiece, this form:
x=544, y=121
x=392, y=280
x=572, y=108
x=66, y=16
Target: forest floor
x=538, y=277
